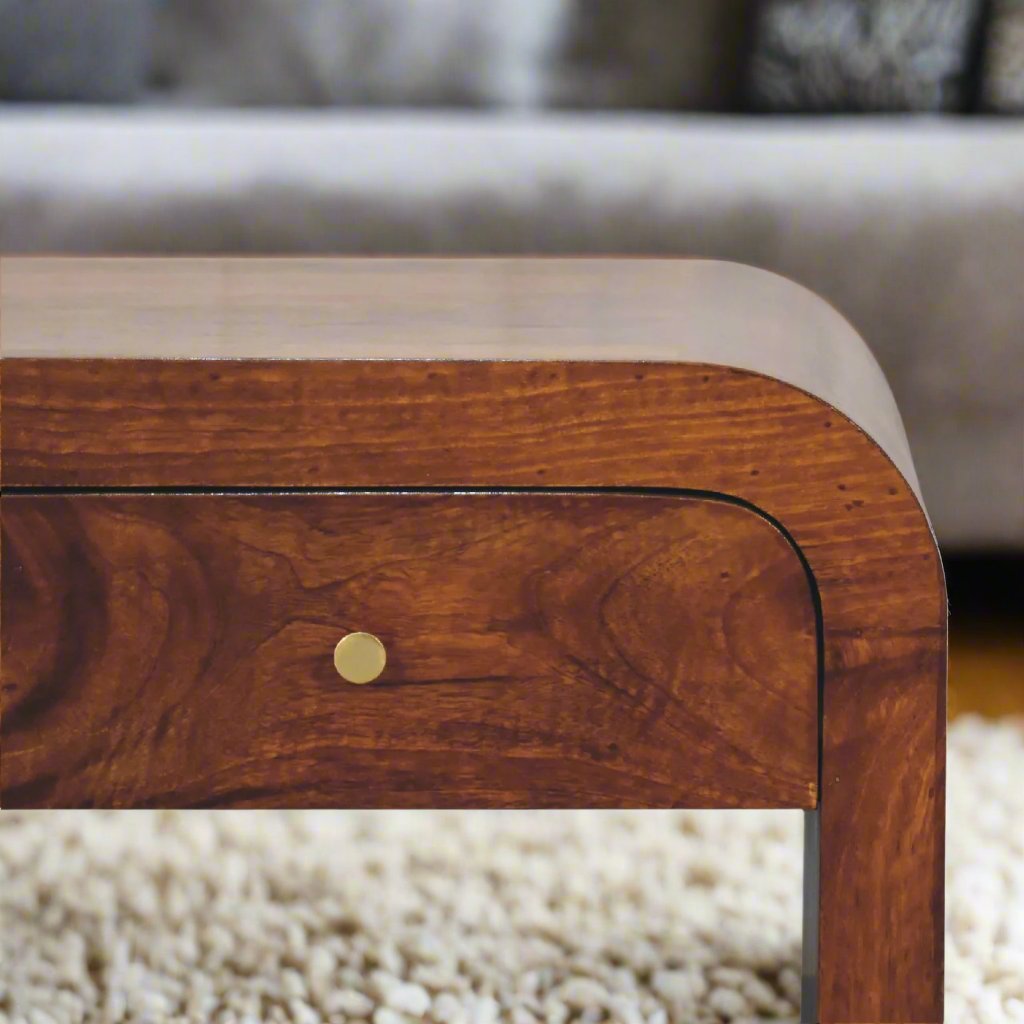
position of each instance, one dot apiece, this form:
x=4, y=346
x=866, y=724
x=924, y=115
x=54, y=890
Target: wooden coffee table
x=480, y=533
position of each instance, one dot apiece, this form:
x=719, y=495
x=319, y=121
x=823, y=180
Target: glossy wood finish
x=543, y=651
x=631, y=310
x=783, y=448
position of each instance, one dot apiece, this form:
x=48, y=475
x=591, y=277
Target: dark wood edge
x=439, y=308
x=846, y=505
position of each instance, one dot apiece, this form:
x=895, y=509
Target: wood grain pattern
x=543, y=650
x=634, y=310
x=554, y=424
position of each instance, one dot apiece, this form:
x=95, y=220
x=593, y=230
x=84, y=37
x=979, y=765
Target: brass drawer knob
x=359, y=658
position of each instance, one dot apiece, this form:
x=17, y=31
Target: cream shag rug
x=637, y=917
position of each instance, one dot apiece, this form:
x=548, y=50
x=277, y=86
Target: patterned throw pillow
x=1003, y=77
x=863, y=55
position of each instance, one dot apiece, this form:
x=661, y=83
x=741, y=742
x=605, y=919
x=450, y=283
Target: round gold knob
x=359, y=658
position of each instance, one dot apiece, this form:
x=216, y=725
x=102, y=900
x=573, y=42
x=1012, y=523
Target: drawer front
x=543, y=649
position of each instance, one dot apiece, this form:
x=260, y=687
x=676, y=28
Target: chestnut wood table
x=631, y=533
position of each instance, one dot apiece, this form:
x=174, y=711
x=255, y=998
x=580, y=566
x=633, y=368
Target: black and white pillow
x=863, y=55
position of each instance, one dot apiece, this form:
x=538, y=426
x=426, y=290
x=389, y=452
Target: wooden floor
x=986, y=641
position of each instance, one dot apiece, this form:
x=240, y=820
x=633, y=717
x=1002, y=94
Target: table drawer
x=543, y=649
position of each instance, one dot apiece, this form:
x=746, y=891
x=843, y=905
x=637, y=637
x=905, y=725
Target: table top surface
x=343, y=308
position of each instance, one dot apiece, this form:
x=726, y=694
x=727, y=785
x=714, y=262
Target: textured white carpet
x=472, y=917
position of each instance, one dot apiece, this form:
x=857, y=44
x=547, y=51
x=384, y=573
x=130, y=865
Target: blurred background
x=872, y=150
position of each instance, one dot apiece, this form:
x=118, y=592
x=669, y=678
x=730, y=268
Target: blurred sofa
x=911, y=223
